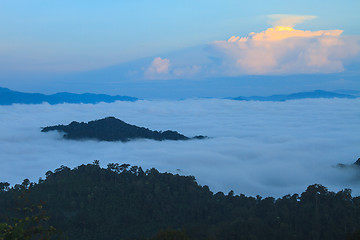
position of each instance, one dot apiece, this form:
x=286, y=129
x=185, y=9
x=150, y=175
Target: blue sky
x=59, y=37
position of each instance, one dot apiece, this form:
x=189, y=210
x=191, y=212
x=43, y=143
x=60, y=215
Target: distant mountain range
x=8, y=97
x=113, y=129
x=294, y=96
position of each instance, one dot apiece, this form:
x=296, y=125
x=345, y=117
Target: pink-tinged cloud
x=285, y=50
x=159, y=66
x=278, y=50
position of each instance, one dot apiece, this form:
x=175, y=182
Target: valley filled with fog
x=265, y=148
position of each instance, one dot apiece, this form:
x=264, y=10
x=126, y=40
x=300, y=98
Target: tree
x=4, y=186
x=170, y=234
x=33, y=225
x=124, y=167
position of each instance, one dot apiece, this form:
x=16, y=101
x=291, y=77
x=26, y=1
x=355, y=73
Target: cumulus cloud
x=285, y=50
x=266, y=148
x=158, y=68
x=278, y=50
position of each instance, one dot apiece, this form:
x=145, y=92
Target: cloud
x=266, y=148
x=285, y=50
x=158, y=68
x=187, y=71
x=288, y=20
x=278, y=50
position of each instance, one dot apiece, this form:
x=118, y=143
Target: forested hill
x=113, y=129
x=8, y=97
x=126, y=202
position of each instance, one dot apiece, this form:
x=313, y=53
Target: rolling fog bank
x=265, y=148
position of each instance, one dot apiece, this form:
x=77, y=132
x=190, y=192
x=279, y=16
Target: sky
x=265, y=148
x=198, y=52
x=50, y=46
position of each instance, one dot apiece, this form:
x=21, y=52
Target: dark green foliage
x=112, y=129
x=170, y=234
x=28, y=222
x=126, y=202
x=354, y=236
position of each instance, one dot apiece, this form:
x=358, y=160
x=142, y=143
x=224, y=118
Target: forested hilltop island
x=127, y=202
x=113, y=129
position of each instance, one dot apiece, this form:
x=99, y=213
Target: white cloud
x=158, y=68
x=285, y=50
x=278, y=50
x=266, y=148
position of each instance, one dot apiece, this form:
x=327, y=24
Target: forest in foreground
x=126, y=202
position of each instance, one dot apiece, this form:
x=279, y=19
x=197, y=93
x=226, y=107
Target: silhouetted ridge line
x=126, y=202
x=295, y=96
x=113, y=129
x=8, y=97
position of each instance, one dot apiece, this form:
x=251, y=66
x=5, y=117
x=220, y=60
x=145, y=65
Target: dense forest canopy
x=113, y=129
x=127, y=202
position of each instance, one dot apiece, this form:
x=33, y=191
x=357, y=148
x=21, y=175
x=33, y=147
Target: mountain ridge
x=112, y=129
x=9, y=97
x=295, y=96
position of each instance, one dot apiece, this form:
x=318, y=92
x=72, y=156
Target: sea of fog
x=265, y=148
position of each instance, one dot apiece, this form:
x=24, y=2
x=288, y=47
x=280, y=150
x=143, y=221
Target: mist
x=254, y=148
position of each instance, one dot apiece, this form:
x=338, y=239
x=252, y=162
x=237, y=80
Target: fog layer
x=265, y=148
